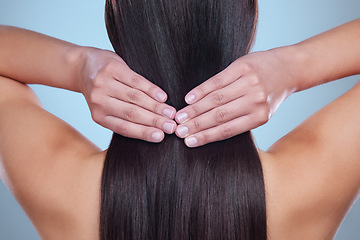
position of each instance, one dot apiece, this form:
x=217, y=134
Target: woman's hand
x=122, y=100
x=241, y=97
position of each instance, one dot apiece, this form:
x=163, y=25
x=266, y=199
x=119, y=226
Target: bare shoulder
x=314, y=170
x=44, y=160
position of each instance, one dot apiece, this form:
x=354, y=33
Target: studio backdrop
x=281, y=22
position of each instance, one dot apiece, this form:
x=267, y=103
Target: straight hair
x=167, y=190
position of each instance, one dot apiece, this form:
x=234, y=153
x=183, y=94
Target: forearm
x=33, y=58
x=325, y=57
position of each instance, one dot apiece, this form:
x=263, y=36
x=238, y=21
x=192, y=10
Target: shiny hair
x=166, y=190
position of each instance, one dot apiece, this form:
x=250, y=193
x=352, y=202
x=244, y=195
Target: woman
x=75, y=166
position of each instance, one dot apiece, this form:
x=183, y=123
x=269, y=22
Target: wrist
x=290, y=61
x=307, y=73
x=76, y=59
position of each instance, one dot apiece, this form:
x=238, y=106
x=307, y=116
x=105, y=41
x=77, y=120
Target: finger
x=220, y=80
x=139, y=98
x=222, y=132
x=133, y=130
x=134, y=80
x=235, y=90
x=138, y=115
x=215, y=117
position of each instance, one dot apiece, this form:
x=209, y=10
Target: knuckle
x=221, y=116
x=226, y=132
x=110, y=65
x=217, y=82
x=108, y=68
x=133, y=97
x=94, y=98
x=261, y=95
x=202, y=90
x=263, y=115
x=98, y=80
x=203, y=138
x=218, y=99
x=123, y=129
x=135, y=81
x=156, y=122
x=152, y=88
x=156, y=107
x=96, y=116
x=145, y=135
x=245, y=66
x=130, y=114
x=254, y=80
x=195, y=109
x=196, y=125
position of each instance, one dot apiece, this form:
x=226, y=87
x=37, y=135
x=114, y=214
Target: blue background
x=281, y=22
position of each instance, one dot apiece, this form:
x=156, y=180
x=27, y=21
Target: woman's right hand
x=123, y=101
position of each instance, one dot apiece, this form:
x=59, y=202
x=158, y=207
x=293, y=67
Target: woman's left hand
x=240, y=98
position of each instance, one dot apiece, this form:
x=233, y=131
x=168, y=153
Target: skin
x=311, y=174
x=247, y=93
x=116, y=95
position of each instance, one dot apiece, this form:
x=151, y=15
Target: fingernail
x=169, y=113
x=156, y=136
x=190, y=98
x=169, y=127
x=191, y=141
x=182, y=117
x=161, y=96
x=182, y=131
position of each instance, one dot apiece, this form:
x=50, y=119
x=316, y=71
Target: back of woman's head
x=166, y=190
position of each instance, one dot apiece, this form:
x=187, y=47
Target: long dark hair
x=166, y=190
